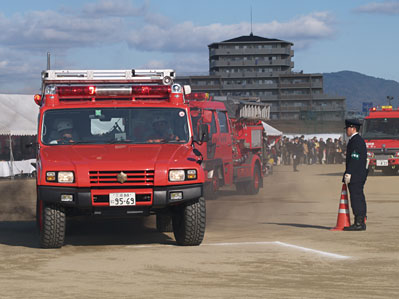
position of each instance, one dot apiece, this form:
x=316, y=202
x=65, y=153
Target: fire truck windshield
x=381, y=128
x=115, y=125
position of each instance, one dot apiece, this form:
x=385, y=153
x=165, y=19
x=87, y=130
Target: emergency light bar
x=382, y=108
x=135, y=91
x=111, y=76
x=202, y=96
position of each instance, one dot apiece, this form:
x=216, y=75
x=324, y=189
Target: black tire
x=251, y=187
x=189, y=222
x=52, y=223
x=164, y=223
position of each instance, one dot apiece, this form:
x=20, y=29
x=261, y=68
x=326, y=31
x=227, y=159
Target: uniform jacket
x=297, y=149
x=356, y=159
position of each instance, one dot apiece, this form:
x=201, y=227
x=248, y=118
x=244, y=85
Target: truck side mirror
x=203, y=133
x=207, y=116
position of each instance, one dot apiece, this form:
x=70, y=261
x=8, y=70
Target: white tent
x=18, y=115
x=270, y=131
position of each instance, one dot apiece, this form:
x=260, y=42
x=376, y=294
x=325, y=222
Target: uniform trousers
x=357, y=198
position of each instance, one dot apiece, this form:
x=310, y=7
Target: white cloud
x=3, y=63
x=26, y=37
x=188, y=37
x=115, y=8
x=41, y=30
x=386, y=7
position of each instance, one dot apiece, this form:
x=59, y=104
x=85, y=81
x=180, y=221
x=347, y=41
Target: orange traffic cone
x=343, y=219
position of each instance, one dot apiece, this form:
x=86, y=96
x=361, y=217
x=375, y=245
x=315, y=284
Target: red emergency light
x=201, y=96
x=163, y=90
x=134, y=91
x=38, y=99
x=73, y=91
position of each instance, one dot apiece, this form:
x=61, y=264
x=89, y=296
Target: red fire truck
x=117, y=144
x=234, y=152
x=381, y=133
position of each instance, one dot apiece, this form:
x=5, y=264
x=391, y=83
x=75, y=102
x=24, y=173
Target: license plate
x=382, y=162
x=122, y=199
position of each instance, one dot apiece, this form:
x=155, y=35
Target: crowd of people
x=298, y=150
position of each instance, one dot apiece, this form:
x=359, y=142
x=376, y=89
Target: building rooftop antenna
x=251, y=23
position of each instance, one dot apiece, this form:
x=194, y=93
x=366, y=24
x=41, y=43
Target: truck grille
x=383, y=157
x=110, y=178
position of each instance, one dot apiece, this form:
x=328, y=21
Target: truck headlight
x=177, y=175
x=65, y=177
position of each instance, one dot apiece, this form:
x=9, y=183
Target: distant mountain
x=358, y=88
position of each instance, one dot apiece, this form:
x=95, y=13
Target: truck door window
x=213, y=129
x=223, y=122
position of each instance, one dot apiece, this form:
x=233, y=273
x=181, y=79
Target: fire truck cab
x=381, y=134
x=117, y=144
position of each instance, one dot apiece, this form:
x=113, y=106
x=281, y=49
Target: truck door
x=224, y=146
x=213, y=138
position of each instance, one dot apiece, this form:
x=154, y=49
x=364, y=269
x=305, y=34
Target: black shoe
x=359, y=224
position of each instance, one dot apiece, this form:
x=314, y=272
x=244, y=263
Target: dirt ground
x=273, y=245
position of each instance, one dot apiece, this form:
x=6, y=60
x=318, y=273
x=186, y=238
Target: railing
x=253, y=51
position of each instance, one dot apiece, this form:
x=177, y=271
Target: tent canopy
x=270, y=131
x=18, y=115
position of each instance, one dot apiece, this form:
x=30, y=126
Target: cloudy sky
x=328, y=36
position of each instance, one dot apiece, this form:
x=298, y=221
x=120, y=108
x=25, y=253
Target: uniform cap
x=352, y=123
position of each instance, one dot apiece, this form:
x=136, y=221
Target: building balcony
x=253, y=51
x=249, y=63
x=295, y=85
x=331, y=108
x=250, y=86
x=205, y=87
x=317, y=85
x=293, y=109
x=263, y=75
x=295, y=97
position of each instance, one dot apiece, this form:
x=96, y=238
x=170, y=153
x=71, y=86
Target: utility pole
x=389, y=98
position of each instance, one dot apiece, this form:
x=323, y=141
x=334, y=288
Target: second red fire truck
x=234, y=151
x=381, y=134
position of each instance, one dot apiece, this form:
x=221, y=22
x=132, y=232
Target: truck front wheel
x=189, y=223
x=252, y=186
x=52, y=222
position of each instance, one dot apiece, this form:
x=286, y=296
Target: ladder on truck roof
x=247, y=109
x=165, y=76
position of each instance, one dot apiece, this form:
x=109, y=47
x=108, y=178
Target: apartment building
x=253, y=66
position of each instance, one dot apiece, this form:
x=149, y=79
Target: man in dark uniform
x=356, y=173
x=297, y=151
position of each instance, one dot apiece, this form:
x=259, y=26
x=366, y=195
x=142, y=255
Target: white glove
x=347, y=178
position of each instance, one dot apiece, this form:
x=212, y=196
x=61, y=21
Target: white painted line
x=319, y=252
x=239, y=243
x=323, y=253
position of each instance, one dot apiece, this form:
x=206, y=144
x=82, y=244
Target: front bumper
x=384, y=163
x=86, y=198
